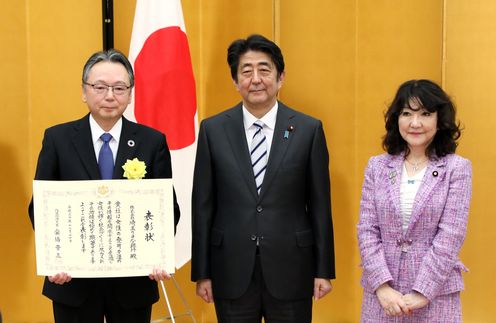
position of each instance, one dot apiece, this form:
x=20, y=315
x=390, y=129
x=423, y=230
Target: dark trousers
x=101, y=303
x=257, y=302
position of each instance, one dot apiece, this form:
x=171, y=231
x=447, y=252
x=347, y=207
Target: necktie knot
x=258, y=128
x=106, y=137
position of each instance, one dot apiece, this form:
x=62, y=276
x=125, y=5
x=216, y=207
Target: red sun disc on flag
x=165, y=95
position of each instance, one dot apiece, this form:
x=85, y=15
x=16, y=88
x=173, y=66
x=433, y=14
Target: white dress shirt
x=269, y=121
x=97, y=131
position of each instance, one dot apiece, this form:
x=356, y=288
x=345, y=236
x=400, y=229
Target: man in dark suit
x=262, y=227
x=75, y=151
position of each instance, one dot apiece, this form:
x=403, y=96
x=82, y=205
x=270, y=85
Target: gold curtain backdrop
x=345, y=60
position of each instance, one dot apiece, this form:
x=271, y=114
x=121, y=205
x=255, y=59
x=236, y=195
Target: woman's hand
x=391, y=300
x=415, y=300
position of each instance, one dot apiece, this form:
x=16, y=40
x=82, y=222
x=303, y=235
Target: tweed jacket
x=436, y=232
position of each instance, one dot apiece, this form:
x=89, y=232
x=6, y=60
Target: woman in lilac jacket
x=413, y=212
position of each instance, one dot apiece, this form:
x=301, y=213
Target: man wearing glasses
x=92, y=148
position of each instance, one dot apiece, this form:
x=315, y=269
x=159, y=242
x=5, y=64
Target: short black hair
x=431, y=97
x=255, y=43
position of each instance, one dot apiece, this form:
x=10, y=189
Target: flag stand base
x=171, y=317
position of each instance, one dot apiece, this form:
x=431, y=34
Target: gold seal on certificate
x=103, y=191
x=107, y=228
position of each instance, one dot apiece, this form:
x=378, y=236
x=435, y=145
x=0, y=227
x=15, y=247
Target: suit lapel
x=127, y=146
x=394, y=170
x=280, y=144
x=433, y=175
x=236, y=136
x=83, y=144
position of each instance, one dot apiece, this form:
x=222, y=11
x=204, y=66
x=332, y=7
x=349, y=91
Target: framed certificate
x=105, y=228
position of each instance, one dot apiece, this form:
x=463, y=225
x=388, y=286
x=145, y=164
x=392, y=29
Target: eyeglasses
x=101, y=88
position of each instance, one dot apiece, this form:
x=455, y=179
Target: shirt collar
x=97, y=131
x=269, y=119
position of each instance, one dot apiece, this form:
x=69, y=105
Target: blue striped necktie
x=106, y=158
x=258, y=152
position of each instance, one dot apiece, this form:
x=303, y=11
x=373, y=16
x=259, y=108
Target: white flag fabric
x=164, y=97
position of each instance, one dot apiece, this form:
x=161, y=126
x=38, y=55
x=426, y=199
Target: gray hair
x=112, y=56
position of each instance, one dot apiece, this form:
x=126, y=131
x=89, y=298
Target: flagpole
x=167, y=300
x=108, y=24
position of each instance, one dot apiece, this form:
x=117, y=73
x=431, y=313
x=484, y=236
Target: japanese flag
x=165, y=99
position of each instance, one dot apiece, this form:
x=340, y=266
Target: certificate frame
x=104, y=228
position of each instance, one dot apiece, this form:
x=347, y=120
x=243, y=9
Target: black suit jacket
x=67, y=153
x=291, y=218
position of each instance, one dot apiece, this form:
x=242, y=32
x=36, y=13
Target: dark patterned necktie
x=258, y=152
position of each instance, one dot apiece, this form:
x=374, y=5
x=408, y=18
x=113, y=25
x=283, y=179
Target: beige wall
x=318, y=41
x=16, y=253
x=471, y=79
x=344, y=59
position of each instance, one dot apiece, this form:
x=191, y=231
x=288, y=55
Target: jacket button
x=259, y=208
x=410, y=241
x=253, y=237
x=399, y=242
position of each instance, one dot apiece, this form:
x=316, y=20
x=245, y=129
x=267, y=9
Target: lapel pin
x=286, y=133
x=435, y=173
x=130, y=143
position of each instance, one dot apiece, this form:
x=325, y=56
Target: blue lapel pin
x=287, y=131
